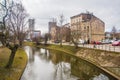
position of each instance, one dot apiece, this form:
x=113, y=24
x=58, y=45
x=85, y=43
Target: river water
x=55, y=65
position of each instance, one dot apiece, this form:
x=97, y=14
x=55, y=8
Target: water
x=55, y=65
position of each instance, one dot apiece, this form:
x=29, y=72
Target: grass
x=64, y=48
x=28, y=44
x=18, y=66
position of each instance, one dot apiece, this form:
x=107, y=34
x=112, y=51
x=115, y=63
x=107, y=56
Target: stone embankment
x=106, y=59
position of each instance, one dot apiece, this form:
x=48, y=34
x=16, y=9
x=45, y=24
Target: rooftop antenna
x=87, y=11
x=54, y=20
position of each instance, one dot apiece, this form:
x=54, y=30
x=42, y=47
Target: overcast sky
x=43, y=10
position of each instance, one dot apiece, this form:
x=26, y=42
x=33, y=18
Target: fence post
x=114, y=48
x=109, y=48
x=102, y=47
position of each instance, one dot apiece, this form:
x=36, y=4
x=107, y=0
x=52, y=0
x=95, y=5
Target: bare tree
x=114, y=31
x=61, y=20
x=4, y=9
x=75, y=37
x=46, y=37
x=14, y=22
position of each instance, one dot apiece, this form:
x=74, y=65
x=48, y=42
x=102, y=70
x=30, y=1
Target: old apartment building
x=65, y=31
x=88, y=27
x=57, y=32
x=54, y=31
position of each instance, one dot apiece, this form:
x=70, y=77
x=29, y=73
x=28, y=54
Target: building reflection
x=31, y=54
x=62, y=66
x=67, y=67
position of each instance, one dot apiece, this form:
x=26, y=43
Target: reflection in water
x=55, y=65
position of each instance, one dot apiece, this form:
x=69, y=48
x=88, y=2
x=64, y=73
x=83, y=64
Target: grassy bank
x=18, y=66
x=65, y=48
x=28, y=44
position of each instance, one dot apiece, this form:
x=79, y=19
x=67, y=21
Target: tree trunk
x=61, y=44
x=75, y=43
x=20, y=42
x=76, y=46
x=11, y=58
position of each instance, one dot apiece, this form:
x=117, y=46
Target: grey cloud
x=43, y=10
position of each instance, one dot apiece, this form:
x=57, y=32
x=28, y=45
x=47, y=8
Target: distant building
x=56, y=32
x=65, y=31
x=36, y=34
x=31, y=25
x=89, y=27
x=108, y=35
x=51, y=25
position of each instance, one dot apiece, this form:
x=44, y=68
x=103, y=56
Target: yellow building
x=88, y=27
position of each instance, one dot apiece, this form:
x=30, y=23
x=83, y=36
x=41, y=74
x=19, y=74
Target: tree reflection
x=65, y=67
x=62, y=66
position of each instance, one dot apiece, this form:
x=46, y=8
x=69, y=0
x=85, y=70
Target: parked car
x=81, y=41
x=28, y=40
x=96, y=42
x=111, y=41
x=57, y=41
x=105, y=41
x=116, y=43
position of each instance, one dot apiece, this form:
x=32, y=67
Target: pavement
x=107, y=47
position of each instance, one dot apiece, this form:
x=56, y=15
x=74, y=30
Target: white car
x=81, y=41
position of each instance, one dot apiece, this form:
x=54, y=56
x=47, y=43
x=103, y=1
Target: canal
x=46, y=64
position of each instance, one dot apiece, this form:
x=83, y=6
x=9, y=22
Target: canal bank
x=15, y=72
x=92, y=55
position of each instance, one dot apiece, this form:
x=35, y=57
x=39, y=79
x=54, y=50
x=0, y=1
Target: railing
x=106, y=47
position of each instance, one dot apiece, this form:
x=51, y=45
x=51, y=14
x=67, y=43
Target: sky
x=44, y=11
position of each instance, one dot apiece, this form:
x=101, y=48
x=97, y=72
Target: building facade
x=88, y=27
x=54, y=31
x=31, y=24
x=57, y=33
x=36, y=35
x=65, y=31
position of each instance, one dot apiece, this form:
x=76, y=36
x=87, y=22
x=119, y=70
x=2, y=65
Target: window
x=88, y=27
x=84, y=27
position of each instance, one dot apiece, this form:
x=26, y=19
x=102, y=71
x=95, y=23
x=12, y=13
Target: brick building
x=88, y=27
x=57, y=32
x=65, y=31
x=54, y=31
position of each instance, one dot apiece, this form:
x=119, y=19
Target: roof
x=81, y=14
x=87, y=13
x=36, y=31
